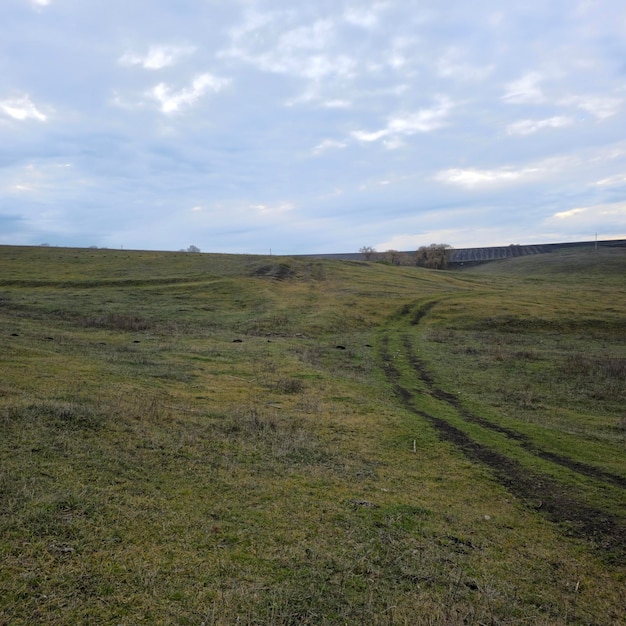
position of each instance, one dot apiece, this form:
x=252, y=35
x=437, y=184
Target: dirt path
x=559, y=502
x=525, y=442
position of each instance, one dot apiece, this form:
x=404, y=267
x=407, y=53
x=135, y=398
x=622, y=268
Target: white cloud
x=122, y=102
x=525, y=90
x=471, y=178
x=422, y=121
x=615, y=209
x=317, y=36
x=253, y=21
x=318, y=67
x=21, y=109
x=528, y=127
x=365, y=17
x=304, y=52
x=40, y=3
x=601, y=108
x=172, y=102
x=396, y=60
x=410, y=243
x=399, y=55
x=365, y=136
x=313, y=93
x=38, y=178
x=590, y=219
x=314, y=53
x=328, y=144
x=337, y=104
x=315, y=67
x=474, y=177
x=453, y=65
x=609, y=153
x=394, y=143
x=567, y=214
x=157, y=57
x=618, y=179
x=276, y=209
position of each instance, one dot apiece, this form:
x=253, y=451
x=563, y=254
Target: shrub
x=435, y=257
x=289, y=385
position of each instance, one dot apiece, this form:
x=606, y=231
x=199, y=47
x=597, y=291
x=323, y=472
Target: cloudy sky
x=319, y=126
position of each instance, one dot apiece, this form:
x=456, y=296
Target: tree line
x=436, y=256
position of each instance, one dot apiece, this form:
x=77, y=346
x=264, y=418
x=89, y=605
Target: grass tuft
x=68, y=415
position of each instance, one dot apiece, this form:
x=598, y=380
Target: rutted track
x=558, y=501
x=528, y=445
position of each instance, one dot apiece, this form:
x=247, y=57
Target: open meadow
x=212, y=439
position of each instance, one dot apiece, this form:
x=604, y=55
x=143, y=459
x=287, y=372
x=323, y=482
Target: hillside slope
x=221, y=439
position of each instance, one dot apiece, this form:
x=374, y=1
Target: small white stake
x=414, y=446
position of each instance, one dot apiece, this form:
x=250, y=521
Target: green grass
x=183, y=442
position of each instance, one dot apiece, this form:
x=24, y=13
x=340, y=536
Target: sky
x=250, y=126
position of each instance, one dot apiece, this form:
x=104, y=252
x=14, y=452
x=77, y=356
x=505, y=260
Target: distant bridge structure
x=480, y=255
x=473, y=256
x=463, y=256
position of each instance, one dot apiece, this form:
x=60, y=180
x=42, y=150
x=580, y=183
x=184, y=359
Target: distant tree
x=394, y=257
x=368, y=252
x=405, y=258
x=435, y=257
x=193, y=249
x=44, y=245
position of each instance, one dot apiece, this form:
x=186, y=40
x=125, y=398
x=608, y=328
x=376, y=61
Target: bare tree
x=193, y=249
x=368, y=252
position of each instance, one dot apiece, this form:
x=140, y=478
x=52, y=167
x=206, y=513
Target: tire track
x=525, y=442
x=542, y=493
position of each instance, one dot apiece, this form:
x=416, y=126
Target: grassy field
x=215, y=439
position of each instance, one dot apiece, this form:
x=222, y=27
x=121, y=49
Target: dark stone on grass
x=363, y=503
x=237, y=341
x=340, y=347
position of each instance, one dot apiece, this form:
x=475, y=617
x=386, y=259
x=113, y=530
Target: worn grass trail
x=559, y=502
x=524, y=440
